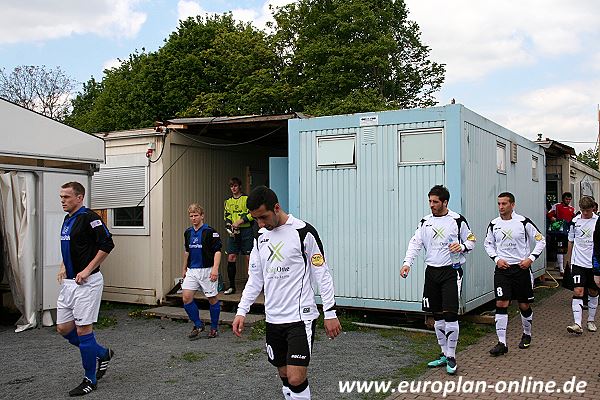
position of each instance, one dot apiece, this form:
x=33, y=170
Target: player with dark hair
x=84, y=243
x=508, y=241
x=562, y=212
x=445, y=236
x=286, y=260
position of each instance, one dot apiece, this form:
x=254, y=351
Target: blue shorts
x=240, y=243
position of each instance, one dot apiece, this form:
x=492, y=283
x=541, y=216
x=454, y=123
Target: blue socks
x=215, y=311
x=192, y=311
x=88, y=349
x=72, y=337
x=74, y=340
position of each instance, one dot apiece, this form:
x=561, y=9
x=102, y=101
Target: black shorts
x=290, y=344
x=441, y=291
x=240, y=243
x=583, y=277
x=514, y=283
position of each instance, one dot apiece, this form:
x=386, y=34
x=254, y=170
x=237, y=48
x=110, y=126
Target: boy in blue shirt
x=201, y=261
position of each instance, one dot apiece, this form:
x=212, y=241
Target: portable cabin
x=362, y=180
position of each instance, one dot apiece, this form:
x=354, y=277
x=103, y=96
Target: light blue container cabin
x=362, y=181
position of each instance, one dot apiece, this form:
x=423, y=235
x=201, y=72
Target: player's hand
x=62, y=274
x=214, y=274
x=455, y=247
x=502, y=264
x=332, y=327
x=526, y=263
x=81, y=277
x=237, y=223
x=238, y=325
x=183, y=275
x=404, y=271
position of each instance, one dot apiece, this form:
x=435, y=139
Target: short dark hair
x=235, y=180
x=440, y=191
x=259, y=196
x=511, y=197
x=567, y=194
x=77, y=187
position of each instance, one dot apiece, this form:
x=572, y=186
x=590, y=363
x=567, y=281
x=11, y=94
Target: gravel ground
x=154, y=359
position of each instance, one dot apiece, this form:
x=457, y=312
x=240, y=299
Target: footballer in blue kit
x=85, y=243
x=201, y=261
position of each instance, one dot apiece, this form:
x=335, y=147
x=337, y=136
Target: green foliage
x=344, y=56
x=323, y=57
x=105, y=321
x=258, y=330
x=191, y=356
x=589, y=157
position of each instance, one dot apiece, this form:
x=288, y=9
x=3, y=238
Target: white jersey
x=510, y=239
x=435, y=234
x=287, y=261
x=581, y=233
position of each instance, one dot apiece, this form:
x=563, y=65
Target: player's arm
x=104, y=242
x=415, y=244
x=571, y=237
x=186, y=252
x=321, y=276
x=251, y=290
x=216, y=245
x=467, y=237
x=552, y=213
x=226, y=213
x=535, y=236
x=490, y=248
x=596, y=252
x=62, y=273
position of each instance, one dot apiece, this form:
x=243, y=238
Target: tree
x=38, y=88
x=589, y=157
x=208, y=66
x=343, y=56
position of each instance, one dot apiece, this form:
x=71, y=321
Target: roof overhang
x=27, y=134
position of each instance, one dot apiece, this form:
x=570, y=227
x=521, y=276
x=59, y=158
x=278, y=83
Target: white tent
x=37, y=155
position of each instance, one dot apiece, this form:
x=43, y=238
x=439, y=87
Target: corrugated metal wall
x=367, y=213
x=482, y=184
x=202, y=175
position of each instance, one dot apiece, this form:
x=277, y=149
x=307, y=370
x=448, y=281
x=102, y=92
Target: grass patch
x=137, y=312
x=171, y=381
x=258, y=330
x=105, y=321
x=191, y=356
x=249, y=355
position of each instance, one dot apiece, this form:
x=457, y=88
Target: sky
x=531, y=66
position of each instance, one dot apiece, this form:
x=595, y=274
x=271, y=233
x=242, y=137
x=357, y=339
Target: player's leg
x=276, y=347
x=451, y=292
x=502, y=292
x=592, y=299
x=210, y=291
x=232, y=251
x=300, y=337
x=189, y=287
x=560, y=262
x=577, y=302
x=523, y=291
x=432, y=303
x=86, y=306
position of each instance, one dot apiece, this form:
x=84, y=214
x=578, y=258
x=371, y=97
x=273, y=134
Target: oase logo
x=274, y=270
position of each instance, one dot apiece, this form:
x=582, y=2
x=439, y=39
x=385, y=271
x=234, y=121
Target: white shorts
x=199, y=278
x=80, y=303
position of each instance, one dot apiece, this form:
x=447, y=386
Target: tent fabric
x=17, y=210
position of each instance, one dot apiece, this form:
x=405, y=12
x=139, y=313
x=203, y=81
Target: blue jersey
x=82, y=235
x=201, y=244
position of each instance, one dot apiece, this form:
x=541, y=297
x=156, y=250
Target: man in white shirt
x=508, y=241
x=582, y=230
x=446, y=236
x=286, y=261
